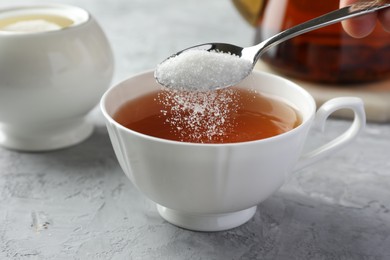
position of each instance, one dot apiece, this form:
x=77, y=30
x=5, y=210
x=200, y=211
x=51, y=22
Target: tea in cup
x=212, y=179
x=223, y=116
x=55, y=64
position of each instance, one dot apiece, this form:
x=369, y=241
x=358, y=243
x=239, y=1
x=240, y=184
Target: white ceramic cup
x=50, y=80
x=211, y=187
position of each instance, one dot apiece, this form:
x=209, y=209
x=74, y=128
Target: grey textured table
x=76, y=203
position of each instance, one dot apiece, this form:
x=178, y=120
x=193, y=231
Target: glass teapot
x=327, y=55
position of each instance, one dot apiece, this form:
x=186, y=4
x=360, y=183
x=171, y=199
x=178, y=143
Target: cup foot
x=45, y=139
x=206, y=222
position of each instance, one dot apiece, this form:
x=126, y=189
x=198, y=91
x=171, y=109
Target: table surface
x=76, y=203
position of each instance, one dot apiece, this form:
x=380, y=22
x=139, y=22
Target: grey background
x=76, y=203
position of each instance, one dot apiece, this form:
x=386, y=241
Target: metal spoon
x=254, y=52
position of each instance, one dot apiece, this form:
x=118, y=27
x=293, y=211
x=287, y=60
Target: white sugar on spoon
x=201, y=70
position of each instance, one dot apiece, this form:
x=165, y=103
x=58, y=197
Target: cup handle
x=358, y=124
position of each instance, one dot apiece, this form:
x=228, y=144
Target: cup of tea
x=211, y=182
x=55, y=64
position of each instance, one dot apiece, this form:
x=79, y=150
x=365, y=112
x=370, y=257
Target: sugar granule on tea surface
x=199, y=116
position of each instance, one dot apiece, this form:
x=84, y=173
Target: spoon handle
x=357, y=9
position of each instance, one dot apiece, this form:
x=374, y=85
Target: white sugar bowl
x=55, y=64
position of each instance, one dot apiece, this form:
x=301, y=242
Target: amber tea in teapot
x=326, y=55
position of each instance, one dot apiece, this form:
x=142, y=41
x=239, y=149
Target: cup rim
x=173, y=142
x=82, y=17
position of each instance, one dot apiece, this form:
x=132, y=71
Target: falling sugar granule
x=200, y=117
x=201, y=70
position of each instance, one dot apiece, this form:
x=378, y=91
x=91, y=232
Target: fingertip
x=360, y=27
x=384, y=18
